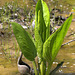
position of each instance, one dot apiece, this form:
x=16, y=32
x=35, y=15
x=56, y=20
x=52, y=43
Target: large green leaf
x=25, y=42
x=54, y=42
x=42, y=25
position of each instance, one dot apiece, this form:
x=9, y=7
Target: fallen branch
x=67, y=42
x=58, y=66
x=70, y=34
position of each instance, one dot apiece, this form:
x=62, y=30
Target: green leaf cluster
x=42, y=26
x=46, y=46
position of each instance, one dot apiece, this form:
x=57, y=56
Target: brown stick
x=58, y=66
x=67, y=42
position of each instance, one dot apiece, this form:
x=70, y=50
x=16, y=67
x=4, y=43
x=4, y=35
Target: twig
x=67, y=42
x=70, y=34
x=58, y=66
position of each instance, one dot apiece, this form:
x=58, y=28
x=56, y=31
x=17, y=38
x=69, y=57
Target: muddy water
x=67, y=53
x=9, y=52
x=66, y=4
x=8, y=65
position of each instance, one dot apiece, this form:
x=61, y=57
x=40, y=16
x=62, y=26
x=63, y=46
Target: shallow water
x=8, y=60
x=8, y=65
x=65, y=3
x=67, y=53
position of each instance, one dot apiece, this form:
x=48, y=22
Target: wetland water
x=9, y=52
x=8, y=65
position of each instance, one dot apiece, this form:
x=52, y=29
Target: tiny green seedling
x=45, y=46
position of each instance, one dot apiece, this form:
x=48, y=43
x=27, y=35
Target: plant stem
x=43, y=67
x=39, y=69
x=35, y=68
x=48, y=69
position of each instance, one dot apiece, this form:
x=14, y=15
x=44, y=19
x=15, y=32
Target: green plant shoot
x=45, y=46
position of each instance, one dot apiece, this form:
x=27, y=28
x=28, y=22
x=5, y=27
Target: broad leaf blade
x=54, y=42
x=25, y=42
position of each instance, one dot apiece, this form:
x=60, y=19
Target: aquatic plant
x=45, y=46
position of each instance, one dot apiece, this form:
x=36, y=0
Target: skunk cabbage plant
x=45, y=46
